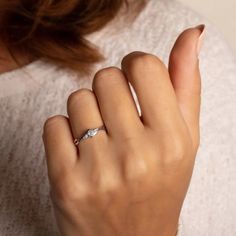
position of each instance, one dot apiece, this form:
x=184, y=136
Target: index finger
x=151, y=82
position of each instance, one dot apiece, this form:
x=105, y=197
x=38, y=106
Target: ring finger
x=84, y=114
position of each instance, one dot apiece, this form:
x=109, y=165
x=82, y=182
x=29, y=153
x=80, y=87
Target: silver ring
x=89, y=134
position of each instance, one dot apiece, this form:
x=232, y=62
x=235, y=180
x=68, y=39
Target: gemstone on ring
x=89, y=134
x=92, y=132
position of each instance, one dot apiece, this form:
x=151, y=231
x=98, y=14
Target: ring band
x=89, y=134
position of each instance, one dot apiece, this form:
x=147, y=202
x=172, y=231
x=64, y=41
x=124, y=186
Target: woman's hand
x=131, y=179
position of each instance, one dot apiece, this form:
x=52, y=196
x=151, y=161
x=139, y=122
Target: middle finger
x=116, y=103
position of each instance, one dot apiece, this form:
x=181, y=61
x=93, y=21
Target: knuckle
x=108, y=187
x=135, y=167
x=135, y=163
x=138, y=59
x=53, y=120
x=101, y=76
x=78, y=96
x=102, y=188
x=176, y=150
x=105, y=181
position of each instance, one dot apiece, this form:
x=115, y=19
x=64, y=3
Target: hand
x=130, y=180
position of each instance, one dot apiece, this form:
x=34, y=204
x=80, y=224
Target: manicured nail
x=201, y=37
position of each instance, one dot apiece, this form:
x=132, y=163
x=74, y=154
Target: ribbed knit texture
x=30, y=95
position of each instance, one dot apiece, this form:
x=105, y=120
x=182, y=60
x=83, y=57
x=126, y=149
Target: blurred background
x=220, y=12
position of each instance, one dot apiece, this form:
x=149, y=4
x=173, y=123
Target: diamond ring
x=89, y=134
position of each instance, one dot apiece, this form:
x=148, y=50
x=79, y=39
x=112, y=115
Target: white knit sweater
x=30, y=95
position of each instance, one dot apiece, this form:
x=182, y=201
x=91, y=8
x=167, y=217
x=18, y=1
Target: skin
x=131, y=180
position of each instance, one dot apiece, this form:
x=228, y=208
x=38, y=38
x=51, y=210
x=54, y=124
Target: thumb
x=185, y=77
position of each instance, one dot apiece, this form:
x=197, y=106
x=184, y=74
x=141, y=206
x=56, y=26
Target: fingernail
x=201, y=28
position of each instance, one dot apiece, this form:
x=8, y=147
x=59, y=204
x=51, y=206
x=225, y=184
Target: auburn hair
x=54, y=30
